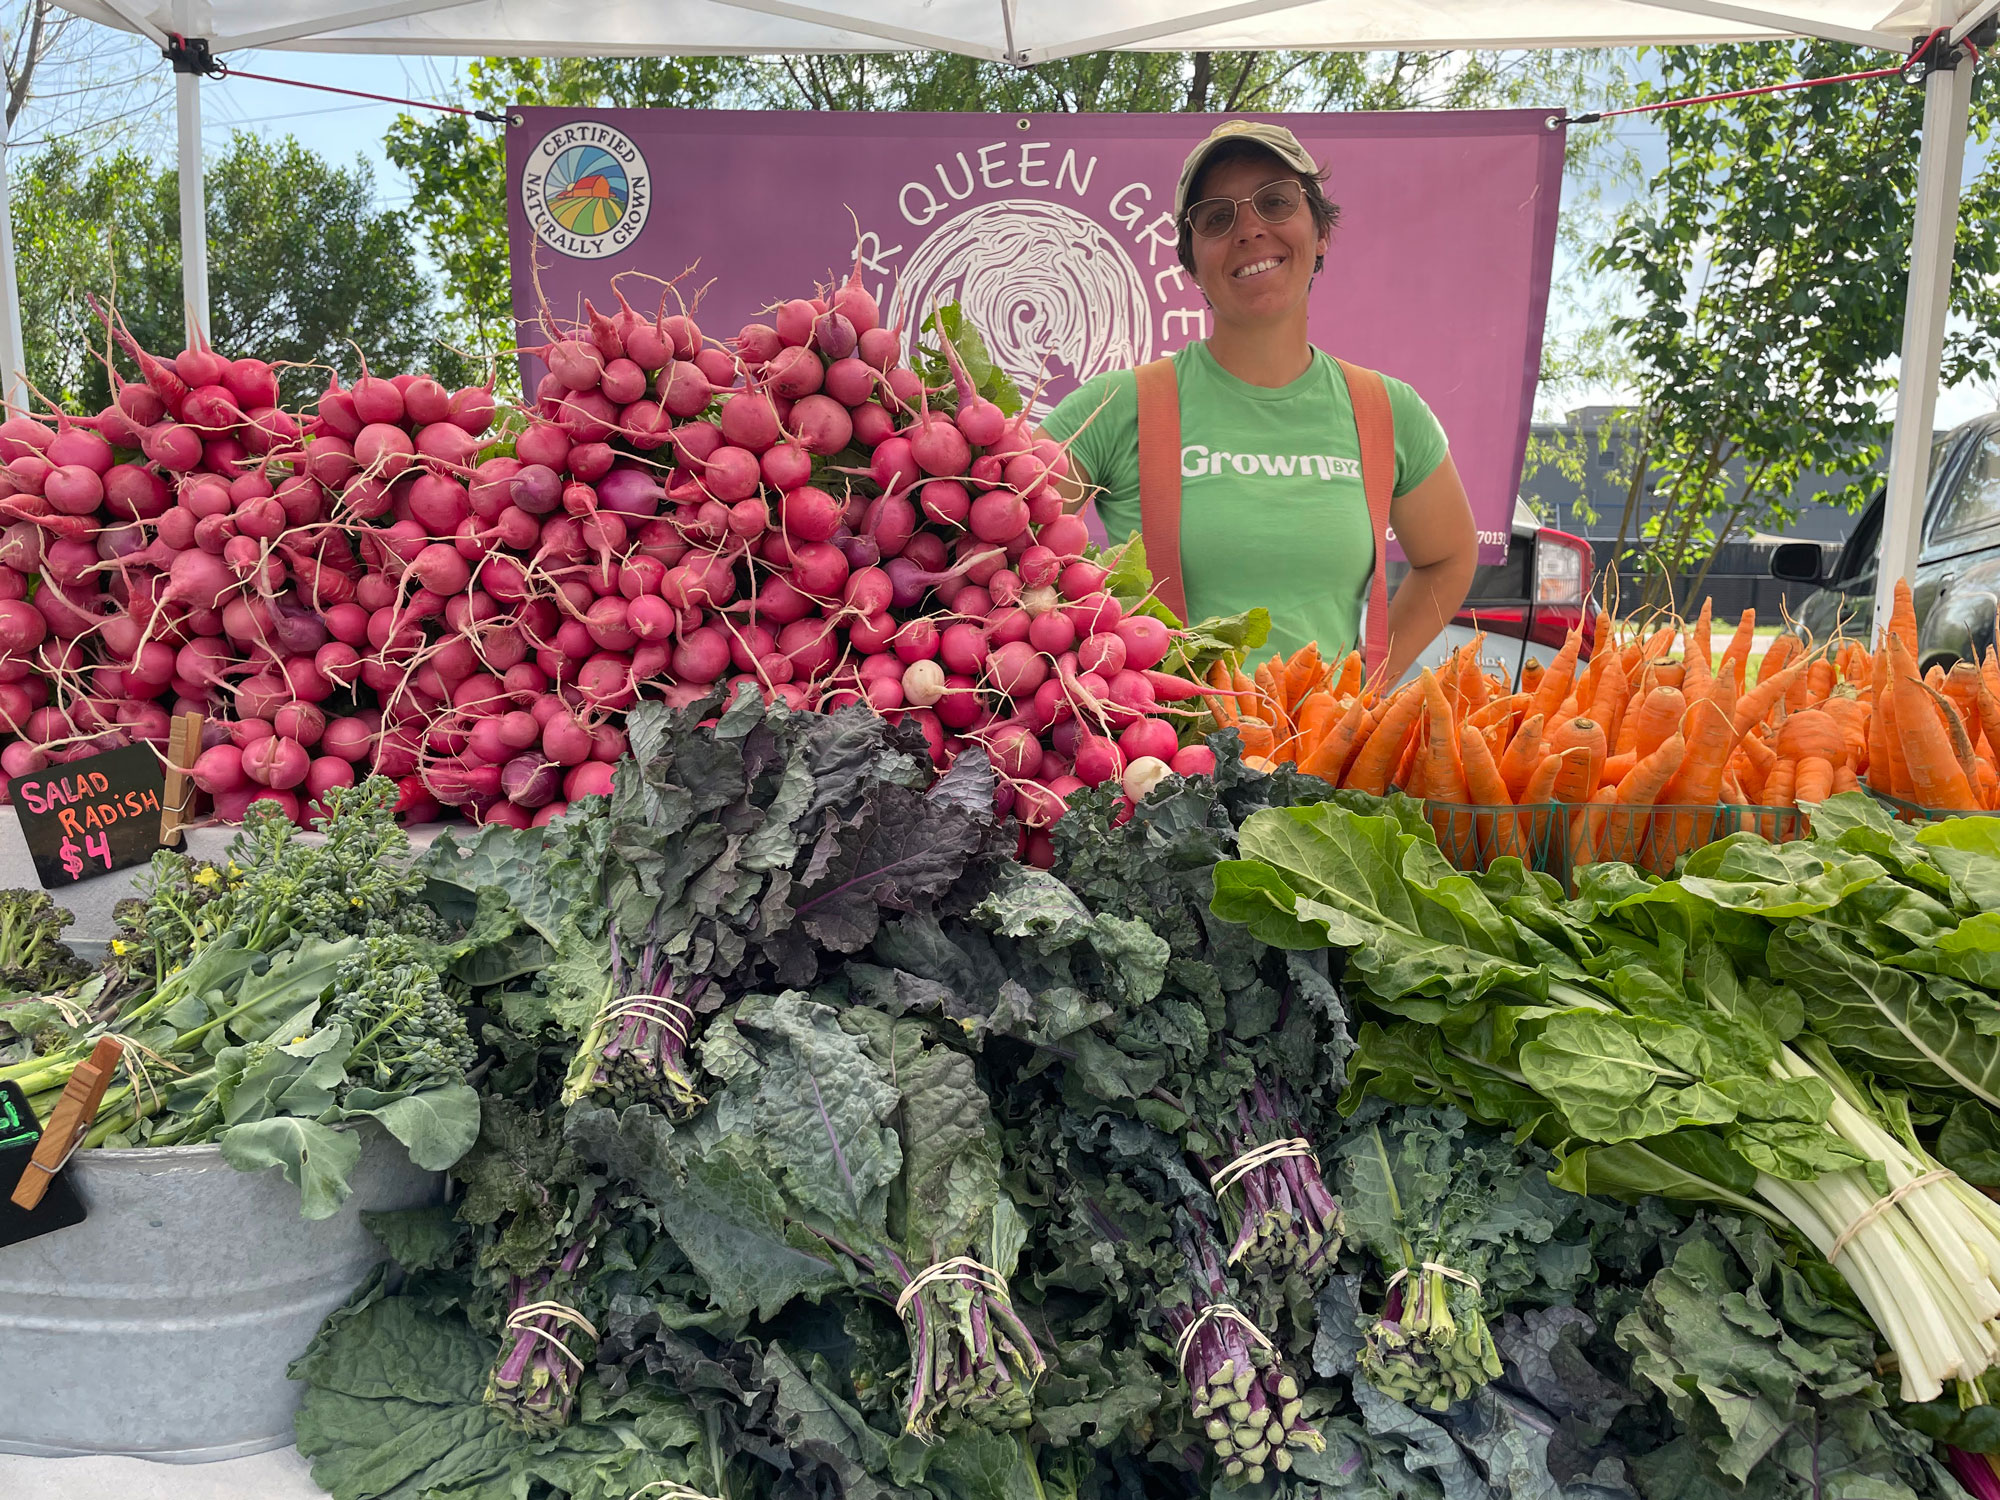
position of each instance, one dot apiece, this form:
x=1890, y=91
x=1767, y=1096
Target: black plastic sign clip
x=19, y=1135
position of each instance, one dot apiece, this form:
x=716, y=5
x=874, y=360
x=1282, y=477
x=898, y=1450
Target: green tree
x=1767, y=264
x=458, y=165
x=303, y=266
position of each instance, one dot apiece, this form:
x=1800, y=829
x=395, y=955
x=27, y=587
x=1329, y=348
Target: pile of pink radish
x=408, y=581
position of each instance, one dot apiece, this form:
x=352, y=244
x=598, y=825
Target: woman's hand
x=1434, y=524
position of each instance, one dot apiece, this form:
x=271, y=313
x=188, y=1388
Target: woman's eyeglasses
x=1274, y=202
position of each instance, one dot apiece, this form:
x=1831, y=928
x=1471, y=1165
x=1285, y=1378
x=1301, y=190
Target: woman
x=1273, y=510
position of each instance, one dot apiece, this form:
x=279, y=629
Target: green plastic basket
x=1912, y=812
x=1551, y=836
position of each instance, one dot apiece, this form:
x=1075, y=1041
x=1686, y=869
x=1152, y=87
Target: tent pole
x=13, y=356
x=1947, y=106
x=194, y=202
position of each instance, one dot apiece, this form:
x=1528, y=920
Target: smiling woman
x=1263, y=471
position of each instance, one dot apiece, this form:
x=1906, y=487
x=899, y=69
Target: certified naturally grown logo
x=586, y=190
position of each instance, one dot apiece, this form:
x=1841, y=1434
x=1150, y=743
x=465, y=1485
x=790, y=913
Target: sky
x=343, y=129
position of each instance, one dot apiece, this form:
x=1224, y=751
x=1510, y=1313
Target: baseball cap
x=1275, y=139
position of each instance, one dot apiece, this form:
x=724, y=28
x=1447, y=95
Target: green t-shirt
x=1272, y=510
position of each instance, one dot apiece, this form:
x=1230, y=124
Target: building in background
x=1740, y=576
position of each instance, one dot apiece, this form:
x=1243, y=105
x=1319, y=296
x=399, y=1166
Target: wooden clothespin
x=183, y=749
x=74, y=1113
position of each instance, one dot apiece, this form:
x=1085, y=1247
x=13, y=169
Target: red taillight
x=1561, y=588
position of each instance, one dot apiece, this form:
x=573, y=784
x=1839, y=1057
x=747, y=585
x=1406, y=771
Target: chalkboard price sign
x=91, y=816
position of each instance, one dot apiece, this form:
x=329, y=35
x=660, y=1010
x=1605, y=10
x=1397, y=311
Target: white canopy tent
x=1025, y=32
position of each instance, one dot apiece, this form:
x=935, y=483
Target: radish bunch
x=407, y=581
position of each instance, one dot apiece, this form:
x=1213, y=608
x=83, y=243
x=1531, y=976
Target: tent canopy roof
x=1020, y=31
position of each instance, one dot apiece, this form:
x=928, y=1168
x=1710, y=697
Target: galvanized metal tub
x=160, y=1327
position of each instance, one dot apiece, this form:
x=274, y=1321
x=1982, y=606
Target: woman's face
x=1257, y=272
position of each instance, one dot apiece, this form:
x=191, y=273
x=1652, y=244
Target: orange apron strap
x=1376, y=425
x=1160, y=480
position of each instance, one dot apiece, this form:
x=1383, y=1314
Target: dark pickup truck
x=1957, y=583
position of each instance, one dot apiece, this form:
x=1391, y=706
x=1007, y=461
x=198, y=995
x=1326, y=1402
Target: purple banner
x=1055, y=233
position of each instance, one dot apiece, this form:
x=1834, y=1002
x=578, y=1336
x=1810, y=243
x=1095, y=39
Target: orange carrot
x=1903, y=618
x=1557, y=680
x=1498, y=711
x=1587, y=829
x=1986, y=706
x=1616, y=767
x=1815, y=781
x=1851, y=714
x=1499, y=837
x=1844, y=780
x=1812, y=732
x=1778, y=656
x=1330, y=756
x=1532, y=673
x=1303, y=673
x=1878, y=731
x=1820, y=678
x=1258, y=737
x=1961, y=742
x=1770, y=690
x=1935, y=773
x=1961, y=685
x=1473, y=689
x=1698, y=635
x=1659, y=716
x=1607, y=704
x=1758, y=758
x=1895, y=753
x=1524, y=757
x=1224, y=709
x=1381, y=757
x=1798, y=692
x=1579, y=778
x=1779, y=791
x=1987, y=788
x=1636, y=690
x=1671, y=674
x=1737, y=652
x=1444, y=776
x=1626, y=832
x=1707, y=735
x=1541, y=786
x=1265, y=680
x=1313, y=718
x=1539, y=822
x=1409, y=777
x=1348, y=681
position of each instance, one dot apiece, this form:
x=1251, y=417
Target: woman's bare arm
x=1433, y=522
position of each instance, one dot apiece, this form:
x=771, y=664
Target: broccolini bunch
x=34, y=960
x=405, y=1028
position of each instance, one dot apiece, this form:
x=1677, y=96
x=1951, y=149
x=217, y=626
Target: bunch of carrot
x=1933, y=740
x=1630, y=754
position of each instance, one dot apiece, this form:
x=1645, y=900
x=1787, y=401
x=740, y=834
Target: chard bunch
x=1248, y=1404
x=970, y=1353
x=1431, y=1347
x=636, y=1047
x=1272, y=1196
x=533, y=1384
